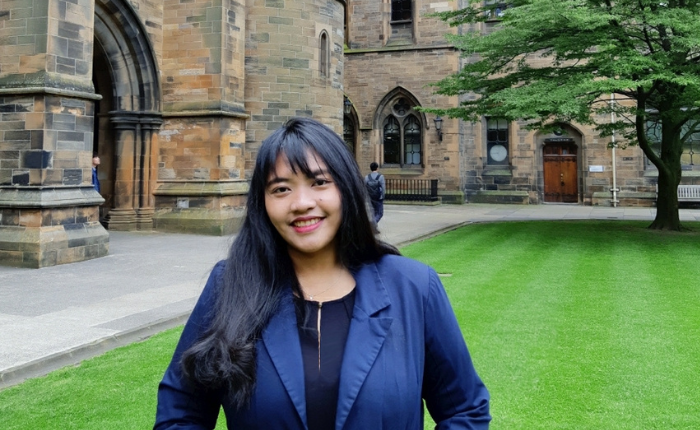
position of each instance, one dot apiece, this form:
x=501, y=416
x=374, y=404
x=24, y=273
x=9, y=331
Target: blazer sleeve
x=180, y=404
x=454, y=394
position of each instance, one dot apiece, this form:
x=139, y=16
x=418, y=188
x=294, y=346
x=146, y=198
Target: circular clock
x=498, y=152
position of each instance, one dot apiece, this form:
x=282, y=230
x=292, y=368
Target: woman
x=311, y=322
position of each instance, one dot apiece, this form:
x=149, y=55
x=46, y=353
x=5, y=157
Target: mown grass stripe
x=573, y=325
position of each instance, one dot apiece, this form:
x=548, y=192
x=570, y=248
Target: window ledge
x=402, y=21
x=652, y=173
x=401, y=171
x=497, y=170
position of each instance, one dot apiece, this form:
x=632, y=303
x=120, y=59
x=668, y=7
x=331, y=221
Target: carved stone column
x=122, y=216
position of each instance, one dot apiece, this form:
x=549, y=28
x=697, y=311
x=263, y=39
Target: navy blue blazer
x=404, y=345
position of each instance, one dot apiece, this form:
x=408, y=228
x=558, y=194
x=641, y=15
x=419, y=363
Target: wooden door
x=560, y=173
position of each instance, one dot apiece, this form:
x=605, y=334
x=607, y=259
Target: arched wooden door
x=560, y=173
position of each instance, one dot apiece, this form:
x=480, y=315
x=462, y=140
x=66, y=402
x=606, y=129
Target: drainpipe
x=614, y=188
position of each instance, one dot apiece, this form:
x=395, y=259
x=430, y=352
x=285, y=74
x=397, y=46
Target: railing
x=686, y=193
x=412, y=190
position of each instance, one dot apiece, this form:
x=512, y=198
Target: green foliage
x=551, y=61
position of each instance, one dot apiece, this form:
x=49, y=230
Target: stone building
x=175, y=97
x=393, y=50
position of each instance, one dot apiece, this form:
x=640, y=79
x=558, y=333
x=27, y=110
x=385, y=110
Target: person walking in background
x=376, y=188
x=95, y=180
x=312, y=322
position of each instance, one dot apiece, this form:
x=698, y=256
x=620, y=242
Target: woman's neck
x=322, y=277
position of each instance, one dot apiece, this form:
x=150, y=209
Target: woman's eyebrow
x=318, y=172
x=275, y=180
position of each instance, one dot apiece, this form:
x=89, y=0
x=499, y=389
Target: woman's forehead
x=309, y=164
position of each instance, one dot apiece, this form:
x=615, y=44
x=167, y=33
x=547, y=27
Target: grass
x=572, y=325
x=578, y=325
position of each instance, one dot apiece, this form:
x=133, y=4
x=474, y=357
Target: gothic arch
x=390, y=98
x=130, y=55
x=133, y=108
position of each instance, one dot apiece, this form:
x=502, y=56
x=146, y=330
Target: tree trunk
x=667, y=217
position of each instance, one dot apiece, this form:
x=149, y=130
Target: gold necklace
x=311, y=297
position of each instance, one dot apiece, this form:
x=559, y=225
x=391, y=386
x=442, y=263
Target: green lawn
x=572, y=325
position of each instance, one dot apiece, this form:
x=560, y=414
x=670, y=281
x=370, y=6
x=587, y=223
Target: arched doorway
x=128, y=117
x=560, y=170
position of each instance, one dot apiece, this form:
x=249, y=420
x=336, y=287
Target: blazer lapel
x=368, y=328
x=281, y=339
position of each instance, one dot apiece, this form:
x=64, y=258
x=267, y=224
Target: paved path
x=57, y=316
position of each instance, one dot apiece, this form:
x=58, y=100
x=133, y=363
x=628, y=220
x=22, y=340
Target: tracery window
x=403, y=141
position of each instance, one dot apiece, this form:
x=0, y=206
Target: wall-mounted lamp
x=438, y=127
x=347, y=106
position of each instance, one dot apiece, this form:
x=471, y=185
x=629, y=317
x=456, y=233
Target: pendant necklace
x=311, y=298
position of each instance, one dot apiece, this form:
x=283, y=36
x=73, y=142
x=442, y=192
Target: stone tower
x=175, y=97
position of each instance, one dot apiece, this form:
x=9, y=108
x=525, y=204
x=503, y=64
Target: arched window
x=392, y=141
x=349, y=133
x=412, y=141
x=324, y=56
x=403, y=141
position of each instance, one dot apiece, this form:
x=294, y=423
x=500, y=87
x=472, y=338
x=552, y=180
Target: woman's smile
x=306, y=225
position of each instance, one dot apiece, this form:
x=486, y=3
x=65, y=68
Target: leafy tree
x=550, y=61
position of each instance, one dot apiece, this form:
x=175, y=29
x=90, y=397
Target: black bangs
x=296, y=140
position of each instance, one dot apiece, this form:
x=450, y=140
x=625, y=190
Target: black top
x=323, y=355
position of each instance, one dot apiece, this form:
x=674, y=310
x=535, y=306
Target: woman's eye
x=321, y=181
x=279, y=190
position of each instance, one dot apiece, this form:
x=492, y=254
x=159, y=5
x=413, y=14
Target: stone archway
x=132, y=111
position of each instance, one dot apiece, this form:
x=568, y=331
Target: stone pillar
x=48, y=207
x=134, y=181
x=201, y=186
x=122, y=217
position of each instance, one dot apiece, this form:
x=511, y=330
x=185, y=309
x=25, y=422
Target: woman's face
x=306, y=211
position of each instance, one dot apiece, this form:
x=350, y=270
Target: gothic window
x=324, y=56
x=401, y=107
x=349, y=133
x=392, y=141
x=412, y=141
x=497, y=141
x=401, y=10
x=403, y=141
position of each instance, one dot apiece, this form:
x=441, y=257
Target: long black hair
x=258, y=268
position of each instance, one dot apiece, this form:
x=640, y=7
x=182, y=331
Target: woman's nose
x=304, y=200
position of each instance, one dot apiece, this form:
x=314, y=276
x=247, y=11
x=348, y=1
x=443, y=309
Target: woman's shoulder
x=398, y=268
x=399, y=262
x=213, y=282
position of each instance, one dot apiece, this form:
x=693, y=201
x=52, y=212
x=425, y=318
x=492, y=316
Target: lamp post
x=438, y=127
